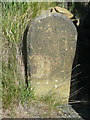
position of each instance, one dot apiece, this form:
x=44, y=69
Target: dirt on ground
x=39, y=109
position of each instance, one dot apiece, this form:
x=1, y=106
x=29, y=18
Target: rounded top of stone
x=48, y=14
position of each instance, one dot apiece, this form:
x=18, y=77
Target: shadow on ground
x=80, y=81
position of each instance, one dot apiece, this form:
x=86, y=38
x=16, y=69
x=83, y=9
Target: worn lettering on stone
x=51, y=48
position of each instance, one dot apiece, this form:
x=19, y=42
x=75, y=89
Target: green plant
x=15, y=17
x=25, y=94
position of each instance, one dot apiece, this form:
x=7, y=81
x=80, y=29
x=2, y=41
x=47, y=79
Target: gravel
x=69, y=112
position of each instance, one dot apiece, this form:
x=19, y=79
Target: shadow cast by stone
x=24, y=53
x=80, y=81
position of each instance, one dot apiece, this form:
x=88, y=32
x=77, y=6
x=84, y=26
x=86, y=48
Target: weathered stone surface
x=51, y=45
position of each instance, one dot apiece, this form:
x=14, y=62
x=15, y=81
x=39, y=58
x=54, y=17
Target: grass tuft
x=15, y=17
